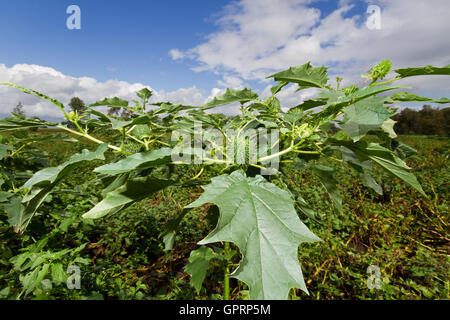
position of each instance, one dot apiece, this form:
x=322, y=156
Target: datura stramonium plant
x=257, y=212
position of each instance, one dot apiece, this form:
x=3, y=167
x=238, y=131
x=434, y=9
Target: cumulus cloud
x=63, y=87
x=255, y=38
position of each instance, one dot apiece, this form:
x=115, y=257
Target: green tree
x=19, y=109
x=76, y=104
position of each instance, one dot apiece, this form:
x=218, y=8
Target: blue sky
x=189, y=51
x=128, y=40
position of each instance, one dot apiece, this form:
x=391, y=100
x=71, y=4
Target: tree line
x=427, y=121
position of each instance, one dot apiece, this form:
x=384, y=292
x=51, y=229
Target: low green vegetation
x=123, y=257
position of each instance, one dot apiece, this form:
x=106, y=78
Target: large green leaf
x=402, y=150
x=170, y=108
x=384, y=158
x=420, y=71
x=370, y=182
x=127, y=194
x=51, y=138
x=306, y=105
x=18, y=122
x=278, y=87
x=206, y=118
x=36, y=94
x=230, y=96
x=337, y=101
x=363, y=116
x=43, y=182
x=137, y=161
x=409, y=97
x=261, y=220
x=144, y=94
x=53, y=174
x=305, y=75
x=119, y=123
x=110, y=102
x=198, y=265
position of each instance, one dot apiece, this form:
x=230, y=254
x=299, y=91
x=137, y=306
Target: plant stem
x=87, y=136
x=276, y=154
x=18, y=150
x=306, y=151
x=384, y=82
x=226, y=279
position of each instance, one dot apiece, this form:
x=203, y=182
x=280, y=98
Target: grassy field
x=122, y=256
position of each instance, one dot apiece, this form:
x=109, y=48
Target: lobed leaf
x=119, y=123
x=53, y=174
x=261, y=220
x=42, y=183
x=170, y=108
x=126, y=195
x=363, y=116
x=278, y=87
x=230, y=96
x=36, y=94
x=402, y=150
x=144, y=94
x=409, y=97
x=305, y=76
x=384, y=158
x=420, y=71
x=110, y=102
x=198, y=265
x=137, y=161
x=18, y=122
x=337, y=101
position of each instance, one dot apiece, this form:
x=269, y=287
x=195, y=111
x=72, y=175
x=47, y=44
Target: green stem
x=226, y=279
x=195, y=177
x=87, y=136
x=384, y=82
x=276, y=154
x=18, y=150
x=306, y=152
x=136, y=139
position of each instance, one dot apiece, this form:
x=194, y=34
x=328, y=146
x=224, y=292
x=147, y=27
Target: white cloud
x=257, y=37
x=63, y=87
x=176, y=54
x=231, y=82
